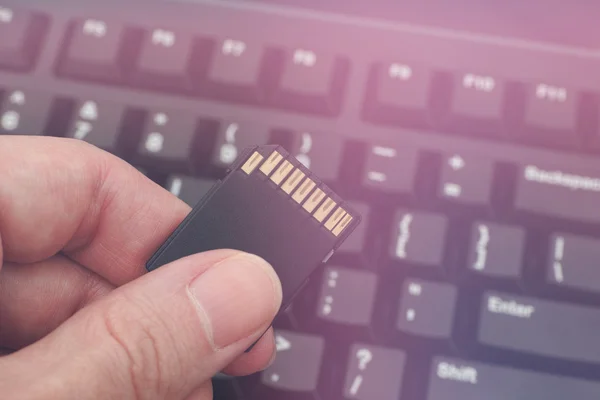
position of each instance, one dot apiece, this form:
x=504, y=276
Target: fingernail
x=236, y=298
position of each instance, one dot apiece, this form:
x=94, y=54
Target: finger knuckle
x=143, y=346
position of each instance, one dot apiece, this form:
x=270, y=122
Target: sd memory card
x=269, y=205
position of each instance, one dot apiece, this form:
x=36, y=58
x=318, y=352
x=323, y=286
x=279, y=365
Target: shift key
x=574, y=192
x=542, y=327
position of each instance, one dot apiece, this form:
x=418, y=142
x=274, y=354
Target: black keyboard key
x=477, y=104
x=298, y=363
x=496, y=250
x=347, y=296
x=467, y=179
x=427, y=309
x=24, y=112
x=95, y=49
x=21, y=35
x=235, y=136
x=574, y=191
x=235, y=70
x=419, y=237
x=399, y=93
x=467, y=380
x=357, y=242
x=320, y=152
x=550, y=114
x=573, y=262
x=164, y=60
x=169, y=139
x=189, y=189
x=374, y=372
x=97, y=122
x=391, y=169
x=312, y=82
x=542, y=327
x=225, y=388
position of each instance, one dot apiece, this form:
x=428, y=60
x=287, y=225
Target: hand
x=79, y=318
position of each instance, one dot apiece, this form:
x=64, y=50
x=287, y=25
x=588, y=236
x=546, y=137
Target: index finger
x=63, y=195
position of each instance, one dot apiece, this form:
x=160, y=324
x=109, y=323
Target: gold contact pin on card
x=272, y=162
x=252, y=162
x=314, y=200
x=304, y=190
x=343, y=225
x=293, y=181
x=335, y=218
x=325, y=209
x=283, y=171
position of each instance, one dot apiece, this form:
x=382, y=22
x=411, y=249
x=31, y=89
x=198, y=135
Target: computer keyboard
x=473, y=160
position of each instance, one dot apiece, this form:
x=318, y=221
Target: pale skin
x=80, y=318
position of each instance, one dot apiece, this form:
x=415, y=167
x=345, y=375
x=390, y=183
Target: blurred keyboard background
x=466, y=133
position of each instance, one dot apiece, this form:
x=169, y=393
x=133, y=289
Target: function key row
x=230, y=69
x=479, y=104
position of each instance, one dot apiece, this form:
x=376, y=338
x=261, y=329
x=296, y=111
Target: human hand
x=79, y=319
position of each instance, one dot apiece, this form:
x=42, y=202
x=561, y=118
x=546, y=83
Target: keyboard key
x=391, y=169
x=496, y=250
x=459, y=379
x=236, y=70
x=542, y=327
x=97, y=122
x=234, y=137
x=374, y=372
x=399, y=94
x=164, y=60
x=168, y=138
x=357, y=242
x=320, y=152
x=419, y=237
x=312, y=82
x=189, y=189
x=575, y=191
x=21, y=35
x=298, y=363
x=573, y=262
x=427, y=309
x=477, y=104
x=467, y=179
x=550, y=113
x=95, y=49
x=24, y=112
x=347, y=296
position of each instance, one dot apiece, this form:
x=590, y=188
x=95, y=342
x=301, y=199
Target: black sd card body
x=269, y=205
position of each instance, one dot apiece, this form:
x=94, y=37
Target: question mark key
x=374, y=372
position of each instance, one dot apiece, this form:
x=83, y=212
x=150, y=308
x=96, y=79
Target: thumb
x=158, y=337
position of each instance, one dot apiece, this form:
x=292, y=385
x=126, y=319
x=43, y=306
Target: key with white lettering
x=168, y=137
x=347, y=296
x=427, y=309
x=574, y=190
x=477, y=104
x=233, y=137
x=452, y=379
x=374, y=372
x=189, y=189
x=97, y=122
x=24, y=112
x=298, y=363
x=466, y=179
x=164, y=60
x=542, y=327
x=391, y=169
x=573, y=262
x=418, y=237
x=550, y=113
x=496, y=250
